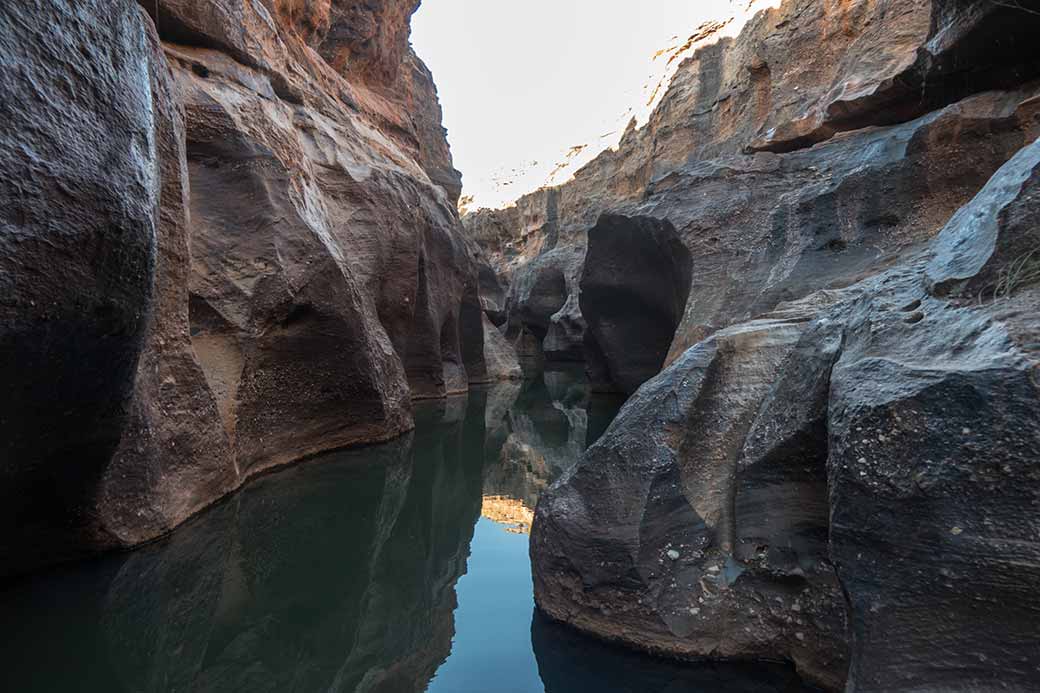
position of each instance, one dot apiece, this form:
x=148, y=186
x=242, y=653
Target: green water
x=366, y=570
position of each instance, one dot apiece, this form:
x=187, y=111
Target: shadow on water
x=349, y=573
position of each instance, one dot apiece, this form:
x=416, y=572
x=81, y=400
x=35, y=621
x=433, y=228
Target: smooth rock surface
x=634, y=288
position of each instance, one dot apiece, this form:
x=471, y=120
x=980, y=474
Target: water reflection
x=348, y=574
x=535, y=438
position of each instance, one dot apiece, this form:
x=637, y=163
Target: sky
x=521, y=82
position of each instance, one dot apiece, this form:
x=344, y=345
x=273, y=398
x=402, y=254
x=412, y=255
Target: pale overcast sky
x=521, y=82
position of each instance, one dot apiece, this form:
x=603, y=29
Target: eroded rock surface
x=544, y=318
x=266, y=262
x=867, y=454
x=657, y=540
x=786, y=486
x=911, y=107
x=935, y=454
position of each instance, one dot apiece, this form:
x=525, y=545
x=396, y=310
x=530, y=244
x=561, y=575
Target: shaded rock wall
x=78, y=243
x=633, y=291
x=934, y=465
x=262, y=252
x=544, y=319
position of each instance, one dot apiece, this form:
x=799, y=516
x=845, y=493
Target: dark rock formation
x=545, y=321
x=935, y=454
x=633, y=292
x=78, y=226
x=869, y=453
x=261, y=255
x=678, y=559
x=838, y=467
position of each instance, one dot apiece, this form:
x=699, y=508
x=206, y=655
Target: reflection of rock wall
x=538, y=439
x=515, y=514
x=337, y=575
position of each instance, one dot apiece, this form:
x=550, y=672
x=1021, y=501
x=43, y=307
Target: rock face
x=935, y=454
x=868, y=454
x=78, y=236
x=544, y=320
x=502, y=363
x=906, y=102
x=264, y=264
x=839, y=464
x=671, y=537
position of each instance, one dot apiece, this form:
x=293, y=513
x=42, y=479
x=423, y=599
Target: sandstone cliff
x=230, y=241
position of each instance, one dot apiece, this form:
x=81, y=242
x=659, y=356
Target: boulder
x=672, y=537
x=633, y=291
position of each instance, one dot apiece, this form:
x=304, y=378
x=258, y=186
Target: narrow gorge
x=751, y=402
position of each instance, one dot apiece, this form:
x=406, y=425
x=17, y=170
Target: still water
x=399, y=568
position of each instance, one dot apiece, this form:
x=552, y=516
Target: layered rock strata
x=911, y=107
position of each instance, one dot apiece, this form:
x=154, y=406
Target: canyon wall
x=912, y=105
x=832, y=220
x=229, y=242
